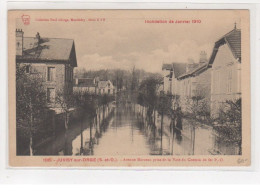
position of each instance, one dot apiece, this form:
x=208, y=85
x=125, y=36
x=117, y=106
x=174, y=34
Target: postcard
x=129, y=88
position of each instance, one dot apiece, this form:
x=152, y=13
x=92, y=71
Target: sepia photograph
x=128, y=87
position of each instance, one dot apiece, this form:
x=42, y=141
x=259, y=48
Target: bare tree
x=66, y=102
x=30, y=103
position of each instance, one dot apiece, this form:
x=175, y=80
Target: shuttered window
x=51, y=74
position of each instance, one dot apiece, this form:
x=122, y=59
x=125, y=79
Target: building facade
x=170, y=74
x=187, y=82
x=225, y=64
x=82, y=85
x=106, y=87
x=195, y=86
x=51, y=59
x=167, y=77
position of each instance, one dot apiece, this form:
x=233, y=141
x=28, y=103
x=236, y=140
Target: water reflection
x=128, y=130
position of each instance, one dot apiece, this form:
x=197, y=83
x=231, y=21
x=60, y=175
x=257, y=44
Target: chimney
x=203, y=57
x=19, y=42
x=189, y=65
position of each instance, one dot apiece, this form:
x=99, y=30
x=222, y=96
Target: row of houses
x=216, y=79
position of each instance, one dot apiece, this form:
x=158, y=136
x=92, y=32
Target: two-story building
x=218, y=79
x=187, y=81
x=225, y=64
x=52, y=59
x=195, y=84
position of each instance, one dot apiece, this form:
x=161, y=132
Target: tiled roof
x=49, y=49
x=177, y=68
x=197, y=69
x=84, y=82
x=233, y=39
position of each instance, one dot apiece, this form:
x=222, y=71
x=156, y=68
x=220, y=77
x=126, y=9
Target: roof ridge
x=50, y=38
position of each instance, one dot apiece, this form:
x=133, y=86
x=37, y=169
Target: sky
x=124, y=40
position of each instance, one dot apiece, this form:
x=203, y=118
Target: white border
x=130, y=175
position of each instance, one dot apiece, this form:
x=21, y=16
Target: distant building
x=85, y=85
x=185, y=81
x=52, y=59
x=170, y=74
x=106, y=87
x=167, y=75
x=225, y=64
x=195, y=84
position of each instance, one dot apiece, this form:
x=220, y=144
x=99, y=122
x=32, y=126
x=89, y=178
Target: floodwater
x=125, y=130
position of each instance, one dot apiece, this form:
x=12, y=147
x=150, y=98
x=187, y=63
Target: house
x=106, y=87
x=85, y=85
x=195, y=84
x=167, y=75
x=52, y=59
x=225, y=64
x=170, y=74
x=185, y=81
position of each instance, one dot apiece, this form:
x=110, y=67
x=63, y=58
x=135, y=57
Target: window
x=51, y=74
x=27, y=69
x=99, y=91
x=68, y=74
x=103, y=90
x=229, y=82
x=50, y=95
x=108, y=91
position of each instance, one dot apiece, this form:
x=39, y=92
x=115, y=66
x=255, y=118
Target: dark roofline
x=219, y=43
x=73, y=53
x=37, y=60
x=195, y=72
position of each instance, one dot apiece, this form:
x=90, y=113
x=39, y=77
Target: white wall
x=225, y=78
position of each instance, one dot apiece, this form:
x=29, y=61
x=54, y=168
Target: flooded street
x=125, y=130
